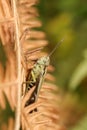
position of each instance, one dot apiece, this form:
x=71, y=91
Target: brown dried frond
x=21, y=42
x=28, y=20
x=33, y=43
x=9, y=74
x=8, y=81
x=31, y=120
x=50, y=105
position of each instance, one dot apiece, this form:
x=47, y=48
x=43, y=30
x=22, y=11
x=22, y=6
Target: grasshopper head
x=44, y=61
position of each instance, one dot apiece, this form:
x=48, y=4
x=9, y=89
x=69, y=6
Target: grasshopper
x=37, y=75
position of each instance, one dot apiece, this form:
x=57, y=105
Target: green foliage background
x=68, y=19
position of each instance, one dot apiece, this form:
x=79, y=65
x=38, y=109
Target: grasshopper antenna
x=56, y=47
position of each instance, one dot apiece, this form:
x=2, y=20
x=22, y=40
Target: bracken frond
x=23, y=45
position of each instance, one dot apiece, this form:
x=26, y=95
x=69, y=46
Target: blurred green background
x=68, y=19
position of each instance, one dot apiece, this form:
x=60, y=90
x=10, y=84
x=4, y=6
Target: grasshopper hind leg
x=32, y=99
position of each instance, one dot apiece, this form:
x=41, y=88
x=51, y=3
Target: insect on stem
x=36, y=77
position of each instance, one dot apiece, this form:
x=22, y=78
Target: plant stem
x=18, y=50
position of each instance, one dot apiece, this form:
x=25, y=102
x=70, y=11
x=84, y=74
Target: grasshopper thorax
x=44, y=61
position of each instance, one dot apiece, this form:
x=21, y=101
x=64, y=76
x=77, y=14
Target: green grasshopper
x=37, y=75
